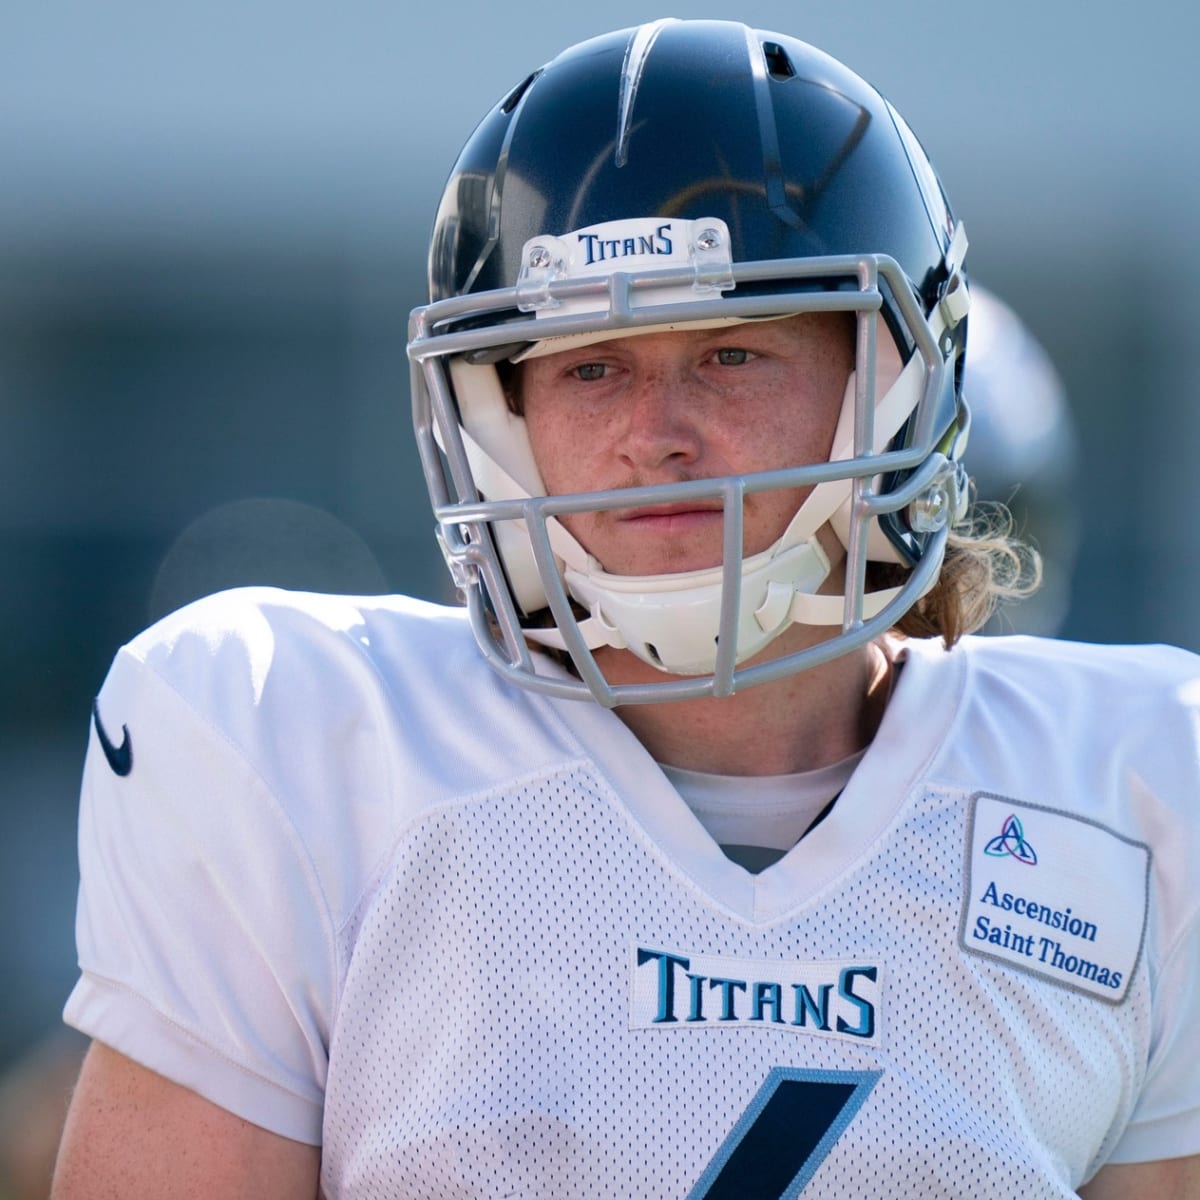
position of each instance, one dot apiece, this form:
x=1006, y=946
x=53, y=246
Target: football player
x=701, y=852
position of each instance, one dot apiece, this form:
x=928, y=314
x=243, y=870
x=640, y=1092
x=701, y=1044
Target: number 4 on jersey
x=784, y=1134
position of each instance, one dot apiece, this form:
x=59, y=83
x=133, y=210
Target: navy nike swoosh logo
x=120, y=758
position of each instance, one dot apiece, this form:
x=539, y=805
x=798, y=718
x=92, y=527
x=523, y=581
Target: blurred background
x=213, y=221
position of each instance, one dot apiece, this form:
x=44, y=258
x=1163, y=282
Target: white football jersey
x=343, y=880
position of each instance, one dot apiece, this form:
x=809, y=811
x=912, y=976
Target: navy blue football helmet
x=691, y=174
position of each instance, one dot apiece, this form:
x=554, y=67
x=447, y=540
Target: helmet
x=690, y=174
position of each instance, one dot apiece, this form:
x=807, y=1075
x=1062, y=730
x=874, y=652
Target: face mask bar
x=931, y=480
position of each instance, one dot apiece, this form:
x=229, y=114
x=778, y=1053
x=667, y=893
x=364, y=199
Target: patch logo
x=1078, y=918
x=1011, y=841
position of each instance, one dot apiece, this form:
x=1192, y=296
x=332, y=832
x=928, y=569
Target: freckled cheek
x=565, y=451
x=767, y=445
x=767, y=515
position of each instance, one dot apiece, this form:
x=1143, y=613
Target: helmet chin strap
x=671, y=621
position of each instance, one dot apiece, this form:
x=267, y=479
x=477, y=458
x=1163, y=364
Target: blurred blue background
x=213, y=220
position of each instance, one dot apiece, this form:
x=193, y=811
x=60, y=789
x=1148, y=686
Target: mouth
x=673, y=518
x=656, y=539
x=682, y=508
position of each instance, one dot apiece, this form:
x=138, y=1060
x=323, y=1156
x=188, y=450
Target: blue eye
x=731, y=357
x=589, y=372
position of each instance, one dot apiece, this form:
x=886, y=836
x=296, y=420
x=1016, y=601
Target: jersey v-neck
x=913, y=729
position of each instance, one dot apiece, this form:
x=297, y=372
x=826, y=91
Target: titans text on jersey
x=820, y=998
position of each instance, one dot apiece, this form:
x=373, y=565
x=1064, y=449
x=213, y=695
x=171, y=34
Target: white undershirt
x=757, y=819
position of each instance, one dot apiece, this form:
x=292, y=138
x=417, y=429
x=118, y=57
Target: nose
x=660, y=424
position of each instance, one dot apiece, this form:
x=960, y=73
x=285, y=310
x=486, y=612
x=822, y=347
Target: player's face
x=694, y=404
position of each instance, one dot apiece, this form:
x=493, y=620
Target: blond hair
x=986, y=565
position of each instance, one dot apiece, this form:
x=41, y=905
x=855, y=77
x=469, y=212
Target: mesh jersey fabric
x=359, y=891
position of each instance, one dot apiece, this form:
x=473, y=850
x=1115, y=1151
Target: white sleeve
x=1166, y=1120
x=206, y=948
x=1165, y=795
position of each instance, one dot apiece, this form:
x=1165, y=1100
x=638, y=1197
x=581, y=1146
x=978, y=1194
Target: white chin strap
x=672, y=621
